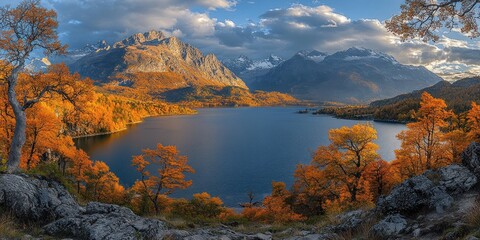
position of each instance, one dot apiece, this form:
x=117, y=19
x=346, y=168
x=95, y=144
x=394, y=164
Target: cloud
x=86, y=21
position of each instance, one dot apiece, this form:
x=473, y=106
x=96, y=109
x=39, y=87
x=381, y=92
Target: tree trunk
x=19, y=135
x=32, y=150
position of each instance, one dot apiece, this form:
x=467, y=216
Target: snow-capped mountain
x=75, y=54
x=248, y=69
x=313, y=55
x=356, y=75
x=39, y=63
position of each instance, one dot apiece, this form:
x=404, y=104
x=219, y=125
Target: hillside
x=356, y=75
x=458, y=95
x=209, y=96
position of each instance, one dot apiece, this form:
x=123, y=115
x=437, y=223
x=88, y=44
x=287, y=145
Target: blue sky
x=258, y=28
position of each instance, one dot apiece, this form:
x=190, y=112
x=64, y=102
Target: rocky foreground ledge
x=433, y=205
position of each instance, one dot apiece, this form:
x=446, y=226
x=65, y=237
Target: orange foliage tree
x=341, y=174
x=351, y=150
x=276, y=207
x=102, y=184
x=381, y=178
x=422, y=144
x=422, y=18
x=170, y=168
x=24, y=29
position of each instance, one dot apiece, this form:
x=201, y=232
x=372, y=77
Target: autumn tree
x=311, y=189
x=381, y=178
x=422, y=145
x=423, y=18
x=24, y=29
x=351, y=150
x=276, y=207
x=81, y=164
x=43, y=128
x=169, y=168
x=473, y=117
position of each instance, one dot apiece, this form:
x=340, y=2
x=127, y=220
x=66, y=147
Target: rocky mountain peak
x=151, y=55
x=361, y=53
x=140, y=38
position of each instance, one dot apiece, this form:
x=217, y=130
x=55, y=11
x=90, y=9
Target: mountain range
x=153, y=64
x=356, y=75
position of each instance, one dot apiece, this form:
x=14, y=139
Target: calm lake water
x=233, y=150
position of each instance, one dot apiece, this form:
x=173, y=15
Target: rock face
x=106, y=221
x=152, y=60
x=36, y=199
x=431, y=190
x=471, y=158
x=390, y=226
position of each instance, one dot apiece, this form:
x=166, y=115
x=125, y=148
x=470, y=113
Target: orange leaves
x=474, y=121
x=170, y=175
x=423, y=145
x=346, y=173
x=275, y=207
x=423, y=18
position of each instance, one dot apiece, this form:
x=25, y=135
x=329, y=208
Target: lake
x=233, y=150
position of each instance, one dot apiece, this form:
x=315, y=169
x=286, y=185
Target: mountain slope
x=145, y=58
x=356, y=75
x=458, y=97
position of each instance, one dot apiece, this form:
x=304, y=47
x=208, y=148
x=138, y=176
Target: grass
x=11, y=228
x=473, y=216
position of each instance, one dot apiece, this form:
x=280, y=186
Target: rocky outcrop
x=431, y=190
x=471, y=158
x=36, y=199
x=45, y=201
x=390, y=226
x=106, y=221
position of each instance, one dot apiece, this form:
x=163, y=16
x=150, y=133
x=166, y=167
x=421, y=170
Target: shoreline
x=128, y=124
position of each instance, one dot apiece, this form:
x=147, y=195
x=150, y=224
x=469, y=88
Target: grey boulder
x=432, y=190
x=36, y=199
x=107, y=221
x=390, y=226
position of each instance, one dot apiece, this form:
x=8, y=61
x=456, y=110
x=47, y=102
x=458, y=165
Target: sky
x=258, y=28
